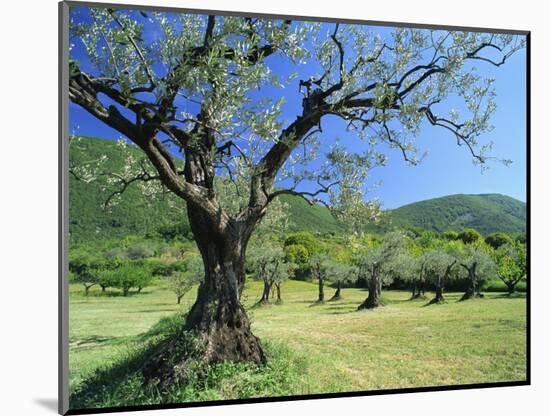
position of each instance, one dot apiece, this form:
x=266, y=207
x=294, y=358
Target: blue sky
x=447, y=169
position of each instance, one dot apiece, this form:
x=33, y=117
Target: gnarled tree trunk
x=337, y=294
x=415, y=290
x=265, y=293
x=472, y=290
x=373, y=299
x=217, y=315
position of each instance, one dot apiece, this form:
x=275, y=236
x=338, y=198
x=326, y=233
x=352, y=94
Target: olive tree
x=439, y=266
x=478, y=266
x=379, y=265
x=182, y=281
x=411, y=269
x=339, y=273
x=195, y=89
x=320, y=265
x=127, y=275
x=511, y=264
x=269, y=265
x=85, y=269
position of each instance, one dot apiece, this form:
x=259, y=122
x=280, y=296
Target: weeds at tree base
x=126, y=383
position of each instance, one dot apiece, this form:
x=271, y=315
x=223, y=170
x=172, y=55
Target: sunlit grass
x=403, y=344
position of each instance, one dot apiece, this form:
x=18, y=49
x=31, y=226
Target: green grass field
x=403, y=344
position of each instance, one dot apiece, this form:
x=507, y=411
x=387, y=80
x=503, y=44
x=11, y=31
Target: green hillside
x=486, y=213
x=136, y=215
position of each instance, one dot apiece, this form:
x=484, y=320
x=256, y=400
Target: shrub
x=469, y=236
x=497, y=240
x=140, y=251
x=127, y=276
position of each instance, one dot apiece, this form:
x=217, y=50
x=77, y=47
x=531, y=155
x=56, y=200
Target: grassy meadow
x=319, y=348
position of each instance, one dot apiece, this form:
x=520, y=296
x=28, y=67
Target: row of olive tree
x=421, y=263
x=90, y=271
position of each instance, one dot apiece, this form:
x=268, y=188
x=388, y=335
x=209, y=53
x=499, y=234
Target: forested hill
x=136, y=215
x=486, y=213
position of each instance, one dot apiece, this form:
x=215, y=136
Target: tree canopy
x=193, y=87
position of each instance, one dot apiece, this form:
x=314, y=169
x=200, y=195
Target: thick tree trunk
x=373, y=299
x=337, y=295
x=217, y=318
x=217, y=315
x=321, y=290
x=179, y=299
x=103, y=288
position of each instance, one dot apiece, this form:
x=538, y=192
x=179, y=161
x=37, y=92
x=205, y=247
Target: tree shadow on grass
x=316, y=303
x=153, y=310
x=125, y=383
x=516, y=295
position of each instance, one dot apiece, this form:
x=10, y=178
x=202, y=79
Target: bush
x=140, y=251
x=306, y=240
x=164, y=268
x=127, y=276
x=469, y=236
x=497, y=240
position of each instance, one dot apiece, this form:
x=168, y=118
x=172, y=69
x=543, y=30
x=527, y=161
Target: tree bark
x=438, y=292
x=337, y=294
x=472, y=291
x=321, y=290
x=217, y=315
x=278, y=288
x=179, y=299
x=265, y=294
x=373, y=299
x=415, y=290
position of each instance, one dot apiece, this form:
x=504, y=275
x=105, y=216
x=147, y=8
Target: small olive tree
x=339, y=273
x=511, y=264
x=181, y=281
x=269, y=265
x=479, y=267
x=411, y=270
x=320, y=265
x=439, y=266
x=85, y=269
x=127, y=276
x=379, y=265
